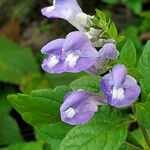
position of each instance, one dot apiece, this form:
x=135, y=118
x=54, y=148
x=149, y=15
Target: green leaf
x=136, y=73
x=120, y=38
x=52, y=133
x=113, y=33
x=95, y=21
x=88, y=83
x=41, y=109
x=148, y=98
x=103, y=132
x=144, y=67
x=111, y=1
x=5, y=107
x=36, y=109
x=131, y=32
x=128, y=54
x=9, y=130
x=100, y=15
x=143, y=113
x=63, y=79
x=26, y=146
x=15, y=62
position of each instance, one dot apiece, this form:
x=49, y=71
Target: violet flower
x=79, y=107
x=120, y=89
x=68, y=10
x=106, y=53
x=73, y=54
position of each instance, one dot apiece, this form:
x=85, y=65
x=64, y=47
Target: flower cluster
x=77, y=53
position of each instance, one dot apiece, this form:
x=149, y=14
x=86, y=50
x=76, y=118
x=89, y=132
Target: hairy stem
x=133, y=146
x=147, y=139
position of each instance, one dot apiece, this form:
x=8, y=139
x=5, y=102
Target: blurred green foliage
x=15, y=62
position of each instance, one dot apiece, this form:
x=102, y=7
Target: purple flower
x=68, y=10
x=73, y=54
x=79, y=107
x=120, y=89
x=106, y=53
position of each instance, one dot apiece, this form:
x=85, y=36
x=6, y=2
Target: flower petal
x=130, y=81
x=130, y=93
x=79, y=107
x=81, y=65
x=54, y=46
x=108, y=51
x=119, y=73
x=67, y=8
x=75, y=40
x=105, y=87
x=87, y=50
x=51, y=12
x=52, y=64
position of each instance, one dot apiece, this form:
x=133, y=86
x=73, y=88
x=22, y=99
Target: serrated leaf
x=143, y=113
x=131, y=32
x=42, y=106
x=15, y=61
x=103, y=132
x=144, y=67
x=35, y=109
x=100, y=15
x=128, y=54
x=95, y=21
x=41, y=109
x=88, y=83
x=113, y=33
x=53, y=133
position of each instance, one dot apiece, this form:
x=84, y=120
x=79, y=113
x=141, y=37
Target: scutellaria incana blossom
x=68, y=10
x=80, y=106
x=73, y=54
x=120, y=88
x=106, y=53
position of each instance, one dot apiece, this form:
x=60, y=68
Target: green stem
x=147, y=139
x=145, y=134
x=133, y=146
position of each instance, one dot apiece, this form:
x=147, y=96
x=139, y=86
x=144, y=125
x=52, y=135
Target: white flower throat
x=53, y=61
x=72, y=58
x=118, y=93
x=70, y=112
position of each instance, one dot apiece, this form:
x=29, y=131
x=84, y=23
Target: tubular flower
x=68, y=10
x=73, y=54
x=106, y=53
x=79, y=107
x=120, y=89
